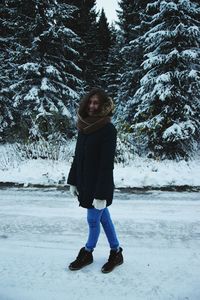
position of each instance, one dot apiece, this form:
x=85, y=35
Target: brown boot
x=115, y=259
x=83, y=259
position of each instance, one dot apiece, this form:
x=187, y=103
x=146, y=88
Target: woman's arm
x=106, y=166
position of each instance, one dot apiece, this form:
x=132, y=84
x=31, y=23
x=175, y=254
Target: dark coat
x=92, y=167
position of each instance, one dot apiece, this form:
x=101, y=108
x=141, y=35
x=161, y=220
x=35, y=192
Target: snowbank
x=140, y=173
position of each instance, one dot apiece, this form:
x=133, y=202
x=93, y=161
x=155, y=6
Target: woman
x=91, y=175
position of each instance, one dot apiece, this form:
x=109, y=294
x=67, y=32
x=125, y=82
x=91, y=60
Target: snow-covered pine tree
x=128, y=17
x=46, y=79
x=130, y=71
x=86, y=28
x=168, y=99
x=110, y=79
x=7, y=11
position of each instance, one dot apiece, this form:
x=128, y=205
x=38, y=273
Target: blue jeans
x=94, y=218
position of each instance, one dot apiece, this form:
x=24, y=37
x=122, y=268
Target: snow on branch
x=180, y=131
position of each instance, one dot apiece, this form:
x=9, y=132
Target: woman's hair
x=102, y=96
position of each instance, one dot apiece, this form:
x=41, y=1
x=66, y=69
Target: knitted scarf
x=90, y=124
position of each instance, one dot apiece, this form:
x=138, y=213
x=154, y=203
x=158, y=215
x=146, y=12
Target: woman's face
x=93, y=105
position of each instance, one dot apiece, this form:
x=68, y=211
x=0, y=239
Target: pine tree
x=46, y=81
x=168, y=98
x=86, y=28
x=131, y=57
x=110, y=79
x=104, y=35
x=6, y=112
x=129, y=16
x=104, y=44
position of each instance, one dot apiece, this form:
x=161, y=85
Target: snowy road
x=42, y=230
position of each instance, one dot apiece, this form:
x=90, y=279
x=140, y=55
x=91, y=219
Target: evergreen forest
x=55, y=51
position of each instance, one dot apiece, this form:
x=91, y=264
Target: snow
x=30, y=67
x=69, y=92
x=189, y=54
x=183, y=130
x=164, y=78
x=174, y=53
x=52, y=70
x=186, y=3
x=188, y=110
x=32, y=94
x=41, y=232
x=47, y=86
x=162, y=91
x=153, y=61
x=156, y=37
x=193, y=31
x=68, y=32
x=65, y=111
x=138, y=173
x=193, y=74
x=168, y=6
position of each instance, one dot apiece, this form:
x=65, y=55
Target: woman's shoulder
x=109, y=128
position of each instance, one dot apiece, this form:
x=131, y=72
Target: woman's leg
x=93, y=218
x=109, y=229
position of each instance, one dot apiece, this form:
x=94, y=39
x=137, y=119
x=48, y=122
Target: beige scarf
x=90, y=124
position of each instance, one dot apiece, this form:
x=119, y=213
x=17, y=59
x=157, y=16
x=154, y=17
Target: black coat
x=92, y=167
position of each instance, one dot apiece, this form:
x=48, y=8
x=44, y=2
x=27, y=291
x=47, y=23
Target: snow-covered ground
x=41, y=231
x=140, y=173
x=137, y=172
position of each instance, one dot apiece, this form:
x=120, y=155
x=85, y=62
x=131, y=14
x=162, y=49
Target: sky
x=110, y=7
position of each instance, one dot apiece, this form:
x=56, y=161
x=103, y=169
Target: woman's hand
x=73, y=190
x=99, y=204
